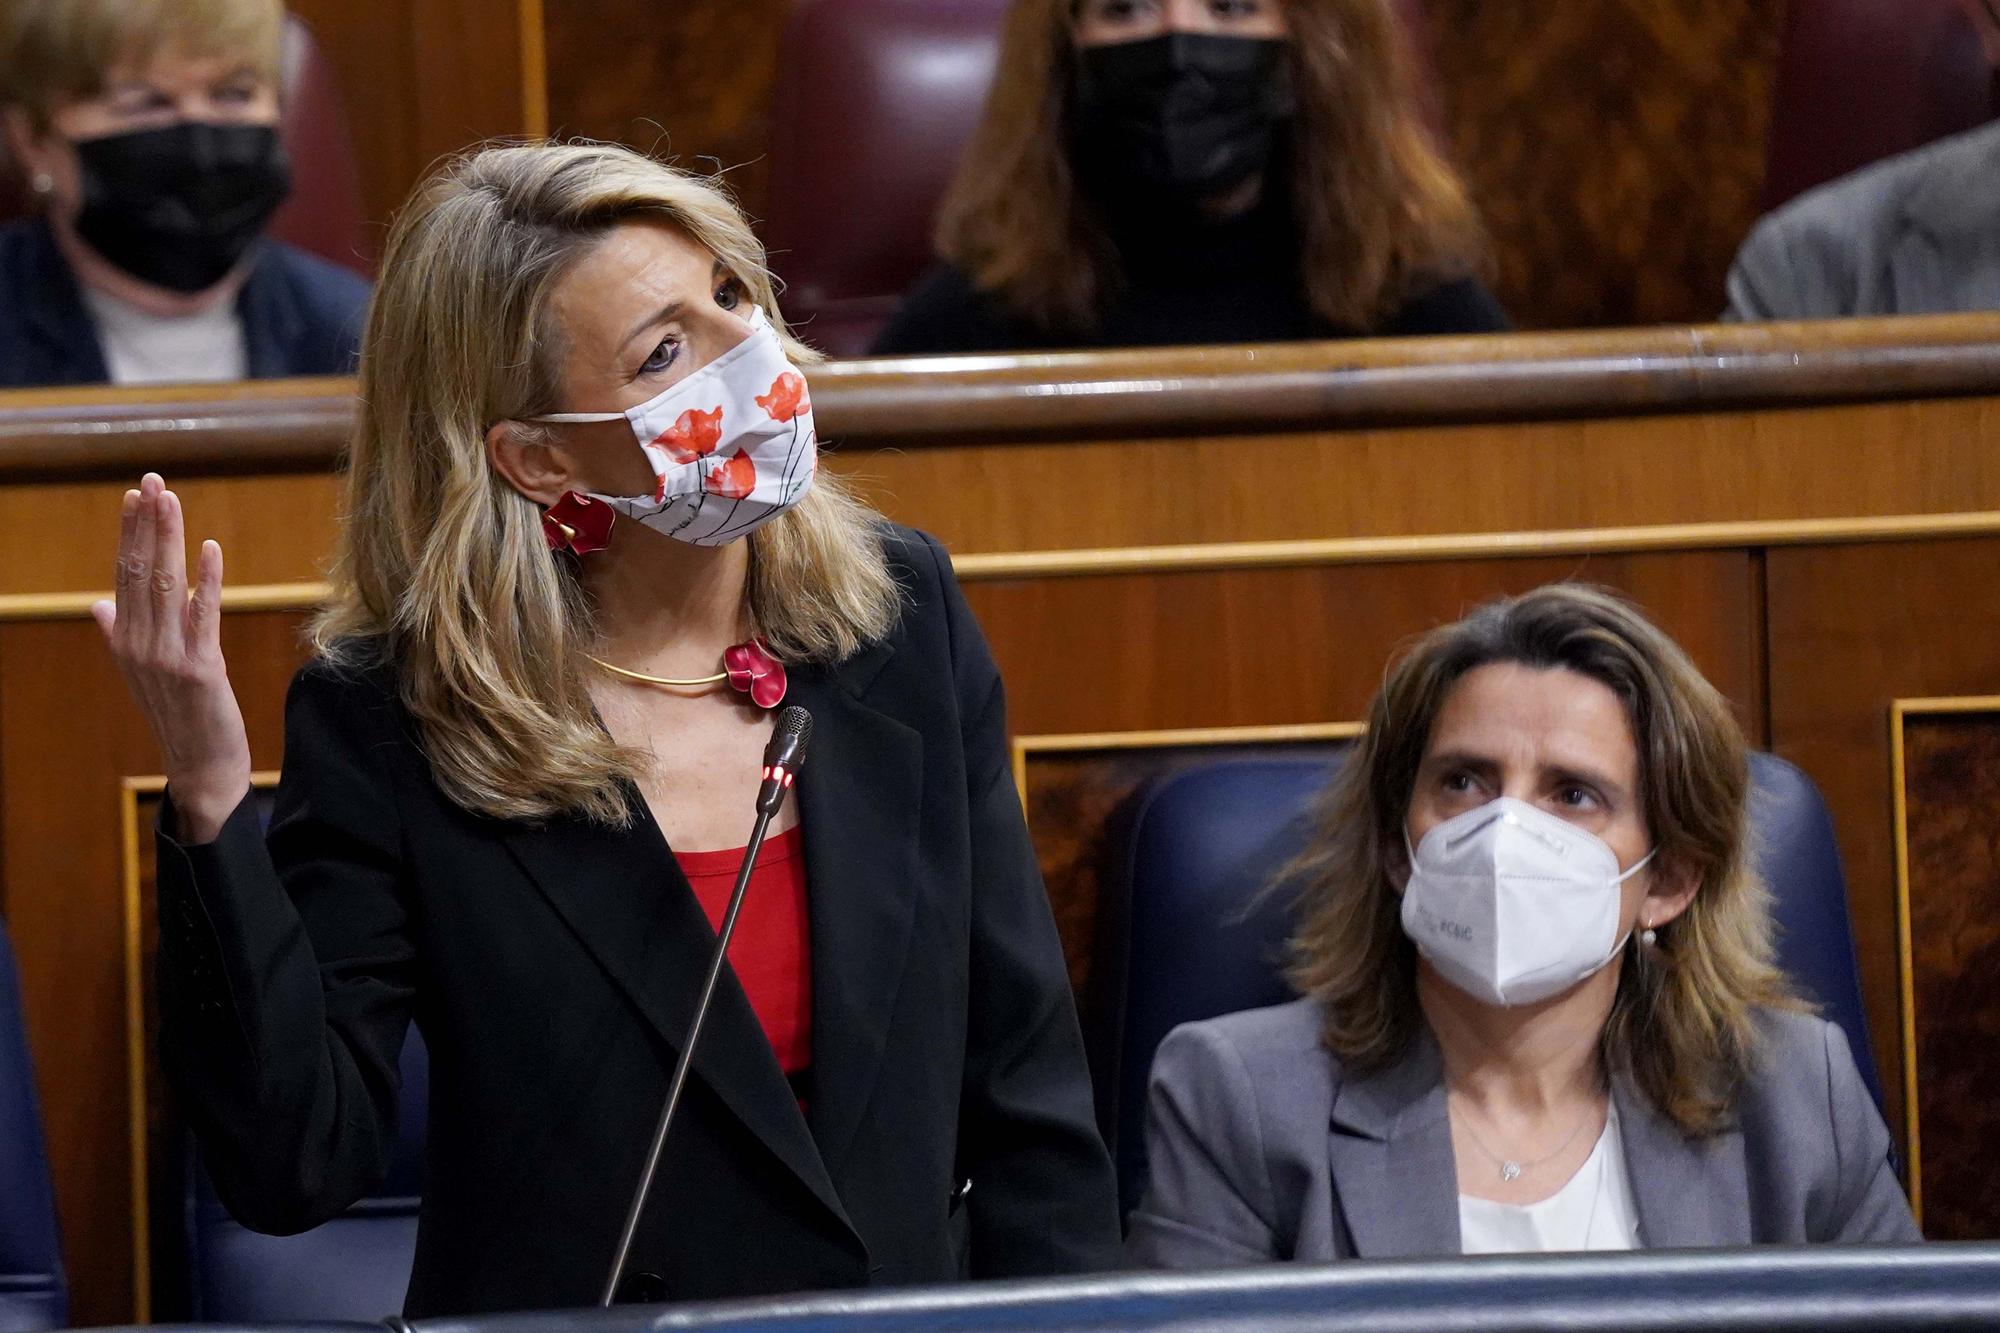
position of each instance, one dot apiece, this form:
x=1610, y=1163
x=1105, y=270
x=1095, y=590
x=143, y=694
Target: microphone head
x=787, y=748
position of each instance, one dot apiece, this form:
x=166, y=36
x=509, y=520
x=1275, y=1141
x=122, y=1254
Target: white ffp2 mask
x=1511, y=904
x=732, y=445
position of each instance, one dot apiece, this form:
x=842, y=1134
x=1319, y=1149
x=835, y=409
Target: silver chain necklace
x=1510, y=1168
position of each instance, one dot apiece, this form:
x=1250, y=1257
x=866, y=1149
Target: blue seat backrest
x=1186, y=931
x=356, y=1266
x=32, y=1291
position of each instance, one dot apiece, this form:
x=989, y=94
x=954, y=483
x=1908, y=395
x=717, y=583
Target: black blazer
x=301, y=315
x=553, y=970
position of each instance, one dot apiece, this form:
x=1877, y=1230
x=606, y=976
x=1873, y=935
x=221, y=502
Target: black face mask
x=178, y=207
x=1190, y=115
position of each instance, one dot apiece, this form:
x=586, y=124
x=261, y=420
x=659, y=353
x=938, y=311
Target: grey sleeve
x=1869, y=1205
x=1763, y=282
x=1208, y=1200
x=1801, y=262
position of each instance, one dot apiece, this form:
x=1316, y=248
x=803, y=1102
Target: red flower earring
x=577, y=523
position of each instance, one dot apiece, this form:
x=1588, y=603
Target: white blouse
x=144, y=348
x=1593, y=1211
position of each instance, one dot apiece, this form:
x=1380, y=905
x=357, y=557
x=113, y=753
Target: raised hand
x=168, y=645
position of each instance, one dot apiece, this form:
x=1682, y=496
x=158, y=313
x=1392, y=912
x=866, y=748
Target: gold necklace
x=689, y=682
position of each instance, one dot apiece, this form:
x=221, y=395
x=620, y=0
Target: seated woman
x=1151, y=172
x=1540, y=1011
x=587, y=549
x=147, y=136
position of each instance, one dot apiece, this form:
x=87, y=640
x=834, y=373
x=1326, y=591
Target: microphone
x=784, y=756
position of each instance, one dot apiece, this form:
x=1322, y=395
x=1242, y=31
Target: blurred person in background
x=1910, y=235
x=1155, y=172
x=146, y=133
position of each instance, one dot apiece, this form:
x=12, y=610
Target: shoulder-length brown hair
x=1379, y=212
x=1683, y=1022
x=441, y=566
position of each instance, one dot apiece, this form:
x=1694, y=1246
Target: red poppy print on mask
x=734, y=480
x=787, y=400
x=693, y=436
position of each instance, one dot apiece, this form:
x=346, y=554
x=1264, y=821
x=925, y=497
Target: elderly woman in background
x=146, y=132
x=1151, y=172
x=587, y=548
x=1539, y=1009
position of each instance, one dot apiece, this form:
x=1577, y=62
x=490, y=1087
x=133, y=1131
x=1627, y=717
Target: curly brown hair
x=1380, y=213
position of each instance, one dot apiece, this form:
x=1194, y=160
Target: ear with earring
x=1649, y=937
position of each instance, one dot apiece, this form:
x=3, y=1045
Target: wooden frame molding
x=937, y=402
x=974, y=567
x=1900, y=710
x=1086, y=741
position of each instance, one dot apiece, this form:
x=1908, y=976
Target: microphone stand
x=777, y=781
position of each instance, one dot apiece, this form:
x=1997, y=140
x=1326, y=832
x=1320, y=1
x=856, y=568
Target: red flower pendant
x=753, y=671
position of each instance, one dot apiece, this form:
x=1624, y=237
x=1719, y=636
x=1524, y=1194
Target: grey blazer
x=1262, y=1148
x=1914, y=234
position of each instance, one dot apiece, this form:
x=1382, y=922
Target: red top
x=772, y=952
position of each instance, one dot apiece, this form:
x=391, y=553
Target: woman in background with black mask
x=1155, y=172
x=146, y=132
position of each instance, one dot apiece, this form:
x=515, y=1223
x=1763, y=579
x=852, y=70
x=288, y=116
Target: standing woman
x=1151, y=172
x=586, y=550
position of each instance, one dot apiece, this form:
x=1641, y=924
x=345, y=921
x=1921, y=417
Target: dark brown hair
x=1379, y=212
x=1683, y=1020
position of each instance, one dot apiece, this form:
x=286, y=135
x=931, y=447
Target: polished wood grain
x=68, y=738
x=692, y=83
x=944, y=402
x=424, y=78
x=1851, y=630
x=1952, y=797
x=1615, y=148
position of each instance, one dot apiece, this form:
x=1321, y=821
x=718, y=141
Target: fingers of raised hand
x=169, y=581
x=204, y=622
x=138, y=536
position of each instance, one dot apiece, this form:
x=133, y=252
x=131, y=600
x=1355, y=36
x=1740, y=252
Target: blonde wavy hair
x=1683, y=1021
x=1379, y=211
x=57, y=51
x=441, y=567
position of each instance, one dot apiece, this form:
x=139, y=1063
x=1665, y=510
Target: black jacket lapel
x=860, y=800
x=624, y=896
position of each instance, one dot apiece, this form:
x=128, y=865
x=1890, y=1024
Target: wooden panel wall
x=691, y=82
x=1616, y=147
x=423, y=78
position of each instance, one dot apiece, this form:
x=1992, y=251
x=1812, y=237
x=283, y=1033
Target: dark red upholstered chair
x=323, y=214
x=1861, y=80
x=875, y=103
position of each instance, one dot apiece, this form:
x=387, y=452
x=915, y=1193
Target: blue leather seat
x=1184, y=933
x=356, y=1267
x=32, y=1293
